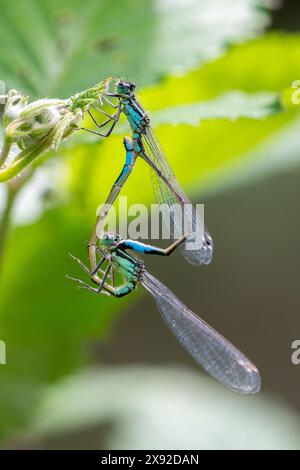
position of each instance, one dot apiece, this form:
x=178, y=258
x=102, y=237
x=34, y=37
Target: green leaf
x=57, y=47
x=259, y=65
x=46, y=321
x=229, y=150
x=231, y=105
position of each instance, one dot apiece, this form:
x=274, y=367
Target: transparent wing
x=212, y=351
x=200, y=253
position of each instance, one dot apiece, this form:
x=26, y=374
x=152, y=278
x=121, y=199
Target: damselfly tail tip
x=251, y=382
x=198, y=257
x=203, y=254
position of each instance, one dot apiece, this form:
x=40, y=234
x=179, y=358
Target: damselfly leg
x=101, y=282
x=103, y=286
x=113, y=119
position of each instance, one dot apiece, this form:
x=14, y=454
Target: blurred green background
x=90, y=372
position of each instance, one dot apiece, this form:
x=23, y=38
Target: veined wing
x=198, y=248
x=210, y=349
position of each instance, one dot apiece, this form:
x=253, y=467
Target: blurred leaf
x=231, y=105
x=57, y=47
x=45, y=319
x=270, y=63
x=279, y=152
x=156, y=408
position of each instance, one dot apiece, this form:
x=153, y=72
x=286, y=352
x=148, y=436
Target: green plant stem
x=5, y=151
x=25, y=158
x=5, y=221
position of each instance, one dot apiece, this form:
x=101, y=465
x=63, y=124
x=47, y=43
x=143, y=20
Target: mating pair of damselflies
x=212, y=351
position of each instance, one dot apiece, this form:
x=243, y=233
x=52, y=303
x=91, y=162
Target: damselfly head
x=108, y=239
x=125, y=87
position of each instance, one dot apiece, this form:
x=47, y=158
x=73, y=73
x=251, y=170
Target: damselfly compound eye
x=131, y=87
